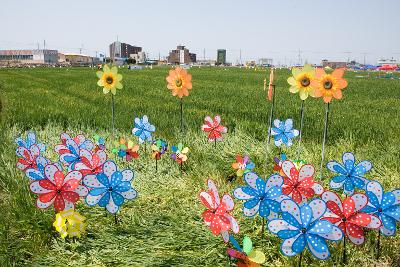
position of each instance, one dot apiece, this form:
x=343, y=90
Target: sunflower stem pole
x=324, y=138
x=344, y=250
x=301, y=257
x=113, y=113
x=378, y=247
x=301, y=127
x=181, y=115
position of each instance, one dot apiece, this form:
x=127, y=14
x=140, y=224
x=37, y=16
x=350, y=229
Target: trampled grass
x=163, y=227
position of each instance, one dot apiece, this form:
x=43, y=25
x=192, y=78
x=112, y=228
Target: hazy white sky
x=335, y=30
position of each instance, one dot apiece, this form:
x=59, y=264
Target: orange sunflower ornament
x=179, y=82
x=328, y=86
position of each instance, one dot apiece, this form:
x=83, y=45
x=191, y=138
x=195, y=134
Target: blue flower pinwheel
x=143, y=129
x=109, y=188
x=302, y=226
x=283, y=132
x=386, y=206
x=263, y=197
x=35, y=174
x=30, y=140
x=350, y=175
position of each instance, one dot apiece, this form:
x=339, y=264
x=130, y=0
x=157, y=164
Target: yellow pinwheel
x=109, y=79
x=69, y=223
x=300, y=82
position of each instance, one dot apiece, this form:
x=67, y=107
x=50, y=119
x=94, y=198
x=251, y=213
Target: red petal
x=294, y=174
x=307, y=182
x=208, y=216
x=59, y=179
x=70, y=185
x=348, y=207
x=86, y=162
x=333, y=220
x=27, y=155
x=70, y=196
x=354, y=230
x=239, y=159
x=287, y=181
x=47, y=197
x=221, y=210
x=286, y=190
x=307, y=192
x=46, y=184
x=296, y=196
x=59, y=203
x=332, y=206
x=205, y=203
x=361, y=219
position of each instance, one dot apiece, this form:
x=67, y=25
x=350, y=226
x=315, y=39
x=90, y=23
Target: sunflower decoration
x=179, y=82
x=109, y=79
x=301, y=80
x=69, y=223
x=328, y=86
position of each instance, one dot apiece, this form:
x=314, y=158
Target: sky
x=288, y=31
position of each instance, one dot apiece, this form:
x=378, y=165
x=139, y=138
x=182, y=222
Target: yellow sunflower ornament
x=109, y=79
x=301, y=80
x=69, y=223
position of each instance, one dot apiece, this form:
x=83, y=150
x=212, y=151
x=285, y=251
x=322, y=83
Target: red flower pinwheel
x=80, y=141
x=347, y=216
x=91, y=163
x=217, y=216
x=27, y=157
x=299, y=184
x=213, y=128
x=58, y=189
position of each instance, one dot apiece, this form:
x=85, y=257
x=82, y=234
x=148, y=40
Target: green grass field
x=163, y=226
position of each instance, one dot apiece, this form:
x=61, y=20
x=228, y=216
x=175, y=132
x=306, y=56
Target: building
x=123, y=50
x=181, y=55
x=333, y=64
x=77, y=59
x=390, y=62
x=38, y=56
x=140, y=57
x=265, y=62
x=221, y=57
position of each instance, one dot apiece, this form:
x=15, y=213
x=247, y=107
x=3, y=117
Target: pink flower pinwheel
x=27, y=157
x=213, y=128
x=91, y=163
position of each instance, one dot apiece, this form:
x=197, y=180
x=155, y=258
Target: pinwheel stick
x=113, y=112
x=181, y=167
x=215, y=142
x=300, y=258
x=271, y=113
x=156, y=164
x=324, y=138
x=301, y=126
x=378, y=245
x=263, y=226
x=115, y=217
x=344, y=249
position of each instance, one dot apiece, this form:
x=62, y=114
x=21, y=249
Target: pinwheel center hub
x=380, y=210
x=303, y=230
x=305, y=82
x=328, y=85
x=344, y=219
x=178, y=82
x=109, y=80
x=58, y=191
x=110, y=189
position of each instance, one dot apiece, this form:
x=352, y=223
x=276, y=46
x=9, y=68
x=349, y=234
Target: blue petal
x=104, y=200
x=285, y=139
x=260, y=184
x=373, y=199
x=274, y=192
x=321, y=227
x=273, y=205
x=264, y=210
x=234, y=243
x=291, y=220
x=117, y=198
x=348, y=187
x=393, y=212
x=299, y=244
x=250, y=191
x=97, y=191
x=251, y=203
x=122, y=187
x=388, y=200
x=339, y=179
x=359, y=183
x=369, y=209
x=388, y=221
x=116, y=178
x=306, y=215
x=103, y=179
x=317, y=243
x=285, y=234
x=335, y=166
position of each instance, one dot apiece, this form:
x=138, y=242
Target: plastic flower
x=143, y=129
x=30, y=140
x=100, y=143
x=27, y=157
x=301, y=81
x=109, y=188
x=350, y=175
x=217, y=216
x=283, y=132
x=91, y=163
x=179, y=82
x=348, y=217
x=109, y=79
x=384, y=205
x=159, y=147
x=179, y=153
x=37, y=173
x=301, y=226
x=214, y=128
x=80, y=141
x=69, y=223
x=58, y=189
x=243, y=165
x=299, y=183
x=74, y=154
x=263, y=197
x=328, y=86
x=126, y=150
x=247, y=257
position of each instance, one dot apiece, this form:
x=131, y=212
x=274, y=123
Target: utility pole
x=44, y=44
x=299, y=57
x=204, y=54
x=240, y=56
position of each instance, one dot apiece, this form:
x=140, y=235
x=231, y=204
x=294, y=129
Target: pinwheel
x=299, y=183
x=217, y=216
x=143, y=129
x=58, y=189
x=214, y=129
x=283, y=132
x=179, y=82
x=69, y=223
x=300, y=82
x=179, y=154
x=261, y=197
x=91, y=163
x=80, y=141
x=159, y=147
x=301, y=226
x=246, y=256
x=384, y=205
x=100, y=143
x=328, y=86
x=110, y=80
x=27, y=157
x=348, y=217
x=126, y=149
x=37, y=173
x=110, y=188
x=74, y=154
x=29, y=141
x=349, y=175
x=242, y=165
